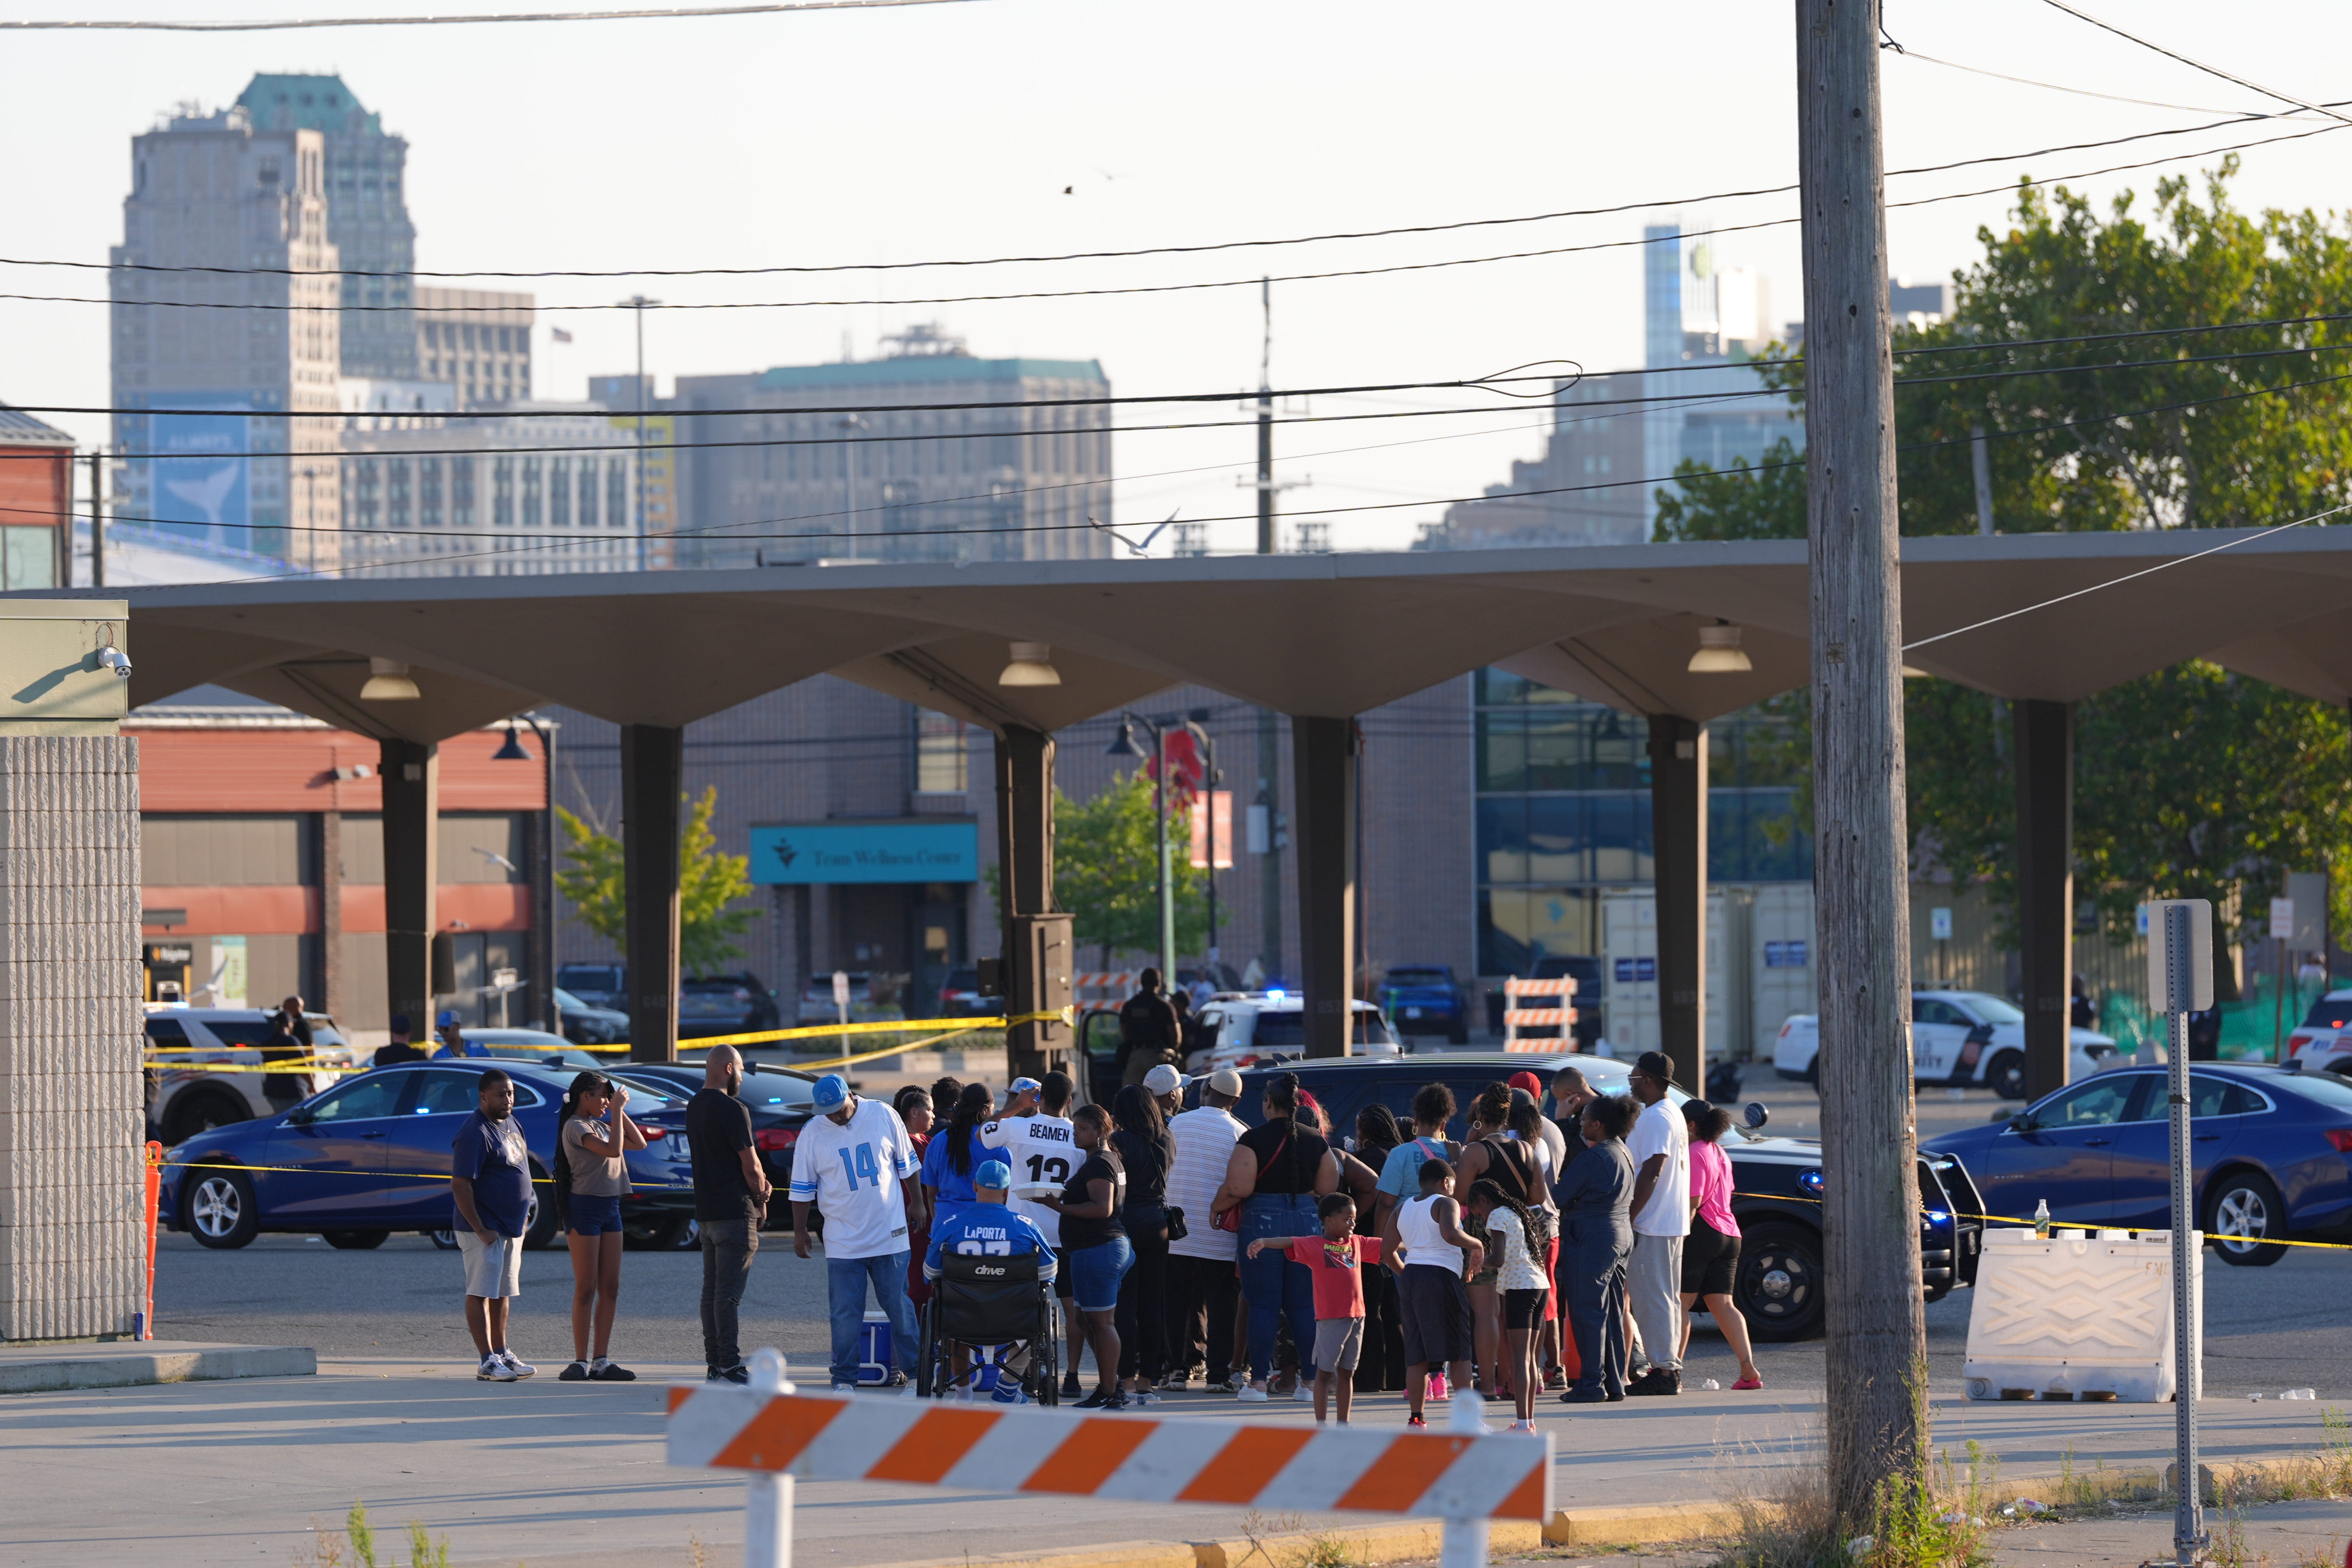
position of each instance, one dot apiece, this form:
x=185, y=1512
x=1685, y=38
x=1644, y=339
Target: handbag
x=1231, y=1220
x=1177, y=1229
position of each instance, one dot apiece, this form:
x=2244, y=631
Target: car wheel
x=680, y=1233
x=201, y=1113
x=1779, y=1287
x=2241, y=1213
x=446, y=1240
x=354, y=1240
x=220, y=1209
x=2006, y=1075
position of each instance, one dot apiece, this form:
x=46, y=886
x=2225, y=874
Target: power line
x=1325, y=276
x=1647, y=205
x=2029, y=81
x=2195, y=64
x=672, y=13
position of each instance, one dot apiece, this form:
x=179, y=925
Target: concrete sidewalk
x=123, y=1363
x=237, y=1472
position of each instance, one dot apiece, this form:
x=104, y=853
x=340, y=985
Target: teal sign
x=820, y=852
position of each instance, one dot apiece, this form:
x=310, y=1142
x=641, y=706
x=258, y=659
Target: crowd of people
x=1561, y=1246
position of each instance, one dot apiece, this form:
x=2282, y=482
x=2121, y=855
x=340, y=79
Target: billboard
x=200, y=480
x=827, y=852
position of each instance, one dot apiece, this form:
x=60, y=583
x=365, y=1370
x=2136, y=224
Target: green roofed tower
x=367, y=213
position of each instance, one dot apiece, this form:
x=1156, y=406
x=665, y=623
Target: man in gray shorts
x=490, y=1180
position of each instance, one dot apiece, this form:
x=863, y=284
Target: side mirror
x=301, y=1116
x=1755, y=1115
x=2021, y=1122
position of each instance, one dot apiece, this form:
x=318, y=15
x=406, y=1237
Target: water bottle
x=2042, y=1220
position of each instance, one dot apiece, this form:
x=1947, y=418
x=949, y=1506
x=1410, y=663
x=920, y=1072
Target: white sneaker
x=1528, y=1427
x=493, y=1369
x=1304, y=1393
x=522, y=1367
x=1144, y=1397
x=1249, y=1394
x=963, y=1393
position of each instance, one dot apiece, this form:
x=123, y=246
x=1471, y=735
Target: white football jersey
x=1043, y=1150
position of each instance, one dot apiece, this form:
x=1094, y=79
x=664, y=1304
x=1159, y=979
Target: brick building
x=36, y=502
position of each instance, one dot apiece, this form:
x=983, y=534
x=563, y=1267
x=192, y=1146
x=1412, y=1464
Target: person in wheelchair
x=976, y=1300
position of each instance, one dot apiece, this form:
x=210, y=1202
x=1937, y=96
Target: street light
x=847, y=424
x=1125, y=747
x=544, y=894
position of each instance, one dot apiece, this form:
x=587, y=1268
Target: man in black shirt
x=1149, y=1031
x=399, y=1050
x=730, y=1202
x=288, y=1040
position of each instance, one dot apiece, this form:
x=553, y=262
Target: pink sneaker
x=1437, y=1389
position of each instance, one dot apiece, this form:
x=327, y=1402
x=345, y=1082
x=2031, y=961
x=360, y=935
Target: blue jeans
x=1275, y=1286
x=845, y=1280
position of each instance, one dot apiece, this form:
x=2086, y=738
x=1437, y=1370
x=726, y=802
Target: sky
x=1005, y=127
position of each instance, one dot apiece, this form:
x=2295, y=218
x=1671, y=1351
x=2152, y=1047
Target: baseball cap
x=1163, y=1080
x=400, y=1023
x=1527, y=1082
x=445, y=1020
x=993, y=1174
x=1026, y=1086
x=831, y=1092
x=1225, y=1081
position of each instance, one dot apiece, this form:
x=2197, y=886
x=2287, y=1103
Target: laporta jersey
x=1043, y=1151
x=988, y=1230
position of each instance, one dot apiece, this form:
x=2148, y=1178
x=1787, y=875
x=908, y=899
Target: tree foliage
x=2190, y=783
x=1106, y=872
x=709, y=883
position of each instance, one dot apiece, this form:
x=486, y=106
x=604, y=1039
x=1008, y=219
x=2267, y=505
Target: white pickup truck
x=1956, y=1037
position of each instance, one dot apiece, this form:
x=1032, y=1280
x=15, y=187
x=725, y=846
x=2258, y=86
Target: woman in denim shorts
x=591, y=1179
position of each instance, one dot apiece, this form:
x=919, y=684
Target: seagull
x=1132, y=546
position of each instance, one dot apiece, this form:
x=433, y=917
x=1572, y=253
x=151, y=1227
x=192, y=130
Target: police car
x=2322, y=1041
x=1956, y=1037
x=1263, y=1026
x=196, y=1063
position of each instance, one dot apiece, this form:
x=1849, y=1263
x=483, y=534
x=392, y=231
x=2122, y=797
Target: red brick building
x=36, y=502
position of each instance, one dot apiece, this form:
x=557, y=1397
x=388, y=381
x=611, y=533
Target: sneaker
x=1103, y=1399
x=522, y=1367
x=896, y=1380
x=739, y=1374
x=1234, y=1381
x=1175, y=1382
x=1416, y=1421
x=963, y=1395
x=610, y=1372
x=1556, y=1379
x=1526, y=1427
x=844, y=1388
x=493, y=1369
x=1006, y=1392
x=1582, y=1395
x=1661, y=1381
x=1304, y=1393
x=1248, y=1394
x=1071, y=1387
x=576, y=1373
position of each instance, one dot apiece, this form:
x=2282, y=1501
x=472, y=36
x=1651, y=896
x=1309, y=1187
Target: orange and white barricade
x=1460, y=1476
x=1516, y=1018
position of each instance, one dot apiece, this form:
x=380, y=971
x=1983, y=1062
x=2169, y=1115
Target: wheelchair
x=982, y=1302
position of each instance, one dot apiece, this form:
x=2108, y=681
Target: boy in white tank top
x=1433, y=1257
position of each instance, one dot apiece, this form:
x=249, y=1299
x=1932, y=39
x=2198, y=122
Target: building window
x=616, y=495
x=503, y=492
x=461, y=493
x=587, y=493
x=559, y=492
x=428, y=495
x=939, y=753
x=530, y=492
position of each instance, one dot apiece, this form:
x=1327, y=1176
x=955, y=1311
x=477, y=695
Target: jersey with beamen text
x=1043, y=1151
x=988, y=1230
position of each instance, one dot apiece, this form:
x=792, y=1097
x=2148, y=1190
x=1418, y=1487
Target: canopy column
x=2044, y=749
x=653, y=779
x=1038, y=960
x=1678, y=839
x=409, y=772
x=1324, y=756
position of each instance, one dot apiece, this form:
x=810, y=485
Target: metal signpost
x=2180, y=981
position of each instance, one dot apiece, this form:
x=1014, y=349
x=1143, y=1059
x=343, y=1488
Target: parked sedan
x=1425, y=999
x=2272, y=1156
x=590, y=1025
x=725, y=1005
x=370, y=1155
x=782, y=1101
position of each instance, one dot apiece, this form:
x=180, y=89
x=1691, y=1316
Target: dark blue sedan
x=370, y=1155
x=1425, y=999
x=2272, y=1160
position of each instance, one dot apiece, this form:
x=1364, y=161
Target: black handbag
x=1177, y=1229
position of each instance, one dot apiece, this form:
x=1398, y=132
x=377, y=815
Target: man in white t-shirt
x=855, y=1161
x=1042, y=1147
x=1660, y=1146
x=1202, y=1283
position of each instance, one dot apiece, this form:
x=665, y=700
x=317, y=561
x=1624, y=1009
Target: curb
x=133, y=1369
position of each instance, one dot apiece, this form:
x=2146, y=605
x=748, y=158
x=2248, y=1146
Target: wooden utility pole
x=1877, y=1329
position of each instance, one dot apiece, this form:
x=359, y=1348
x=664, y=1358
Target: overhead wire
x=293, y=24
x=2213, y=71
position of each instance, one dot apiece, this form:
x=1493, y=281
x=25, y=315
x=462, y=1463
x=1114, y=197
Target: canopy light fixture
x=1032, y=666
x=1913, y=672
x=1125, y=745
x=512, y=751
x=388, y=681
x=1718, y=651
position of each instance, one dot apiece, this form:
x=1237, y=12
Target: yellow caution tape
x=881, y=1027
x=389, y=1175
x=2060, y=1225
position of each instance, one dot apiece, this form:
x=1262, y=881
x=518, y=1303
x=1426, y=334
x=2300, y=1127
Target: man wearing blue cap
x=453, y=1038
x=985, y=1227
x=856, y=1162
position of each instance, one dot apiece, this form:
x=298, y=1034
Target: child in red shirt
x=1333, y=1258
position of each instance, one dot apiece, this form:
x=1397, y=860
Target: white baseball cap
x=1163, y=1080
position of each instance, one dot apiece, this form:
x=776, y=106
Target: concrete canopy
x=1319, y=635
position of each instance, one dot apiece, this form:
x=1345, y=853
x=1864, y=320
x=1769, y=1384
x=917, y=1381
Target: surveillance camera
x=114, y=659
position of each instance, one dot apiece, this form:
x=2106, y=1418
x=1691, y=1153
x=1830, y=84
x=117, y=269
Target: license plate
x=1412, y=1012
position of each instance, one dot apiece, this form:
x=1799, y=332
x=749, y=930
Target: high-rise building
x=1016, y=481
x=367, y=213
x=1702, y=322
x=228, y=378
x=479, y=341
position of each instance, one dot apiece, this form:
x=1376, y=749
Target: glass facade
x=1563, y=792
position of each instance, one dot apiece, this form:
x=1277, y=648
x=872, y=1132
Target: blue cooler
x=874, y=1360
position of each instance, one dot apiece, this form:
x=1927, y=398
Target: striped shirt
x=1204, y=1147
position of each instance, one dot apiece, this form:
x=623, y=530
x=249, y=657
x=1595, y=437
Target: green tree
x=709, y=883
x=2190, y=783
x=1106, y=872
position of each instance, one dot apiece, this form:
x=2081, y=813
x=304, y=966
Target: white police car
x=1269, y=1026
x=1958, y=1037
x=2322, y=1041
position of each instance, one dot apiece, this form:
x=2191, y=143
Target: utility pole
x=1270, y=734
x=638, y=304
x=1877, y=1338
x=96, y=518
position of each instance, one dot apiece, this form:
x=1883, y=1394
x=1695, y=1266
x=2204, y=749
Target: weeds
x=326, y=1548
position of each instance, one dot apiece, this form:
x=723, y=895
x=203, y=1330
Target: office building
x=985, y=483
x=550, y=488
x=367, y=213
x=228, y=379
x=479, y=341
x=1702, y=322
